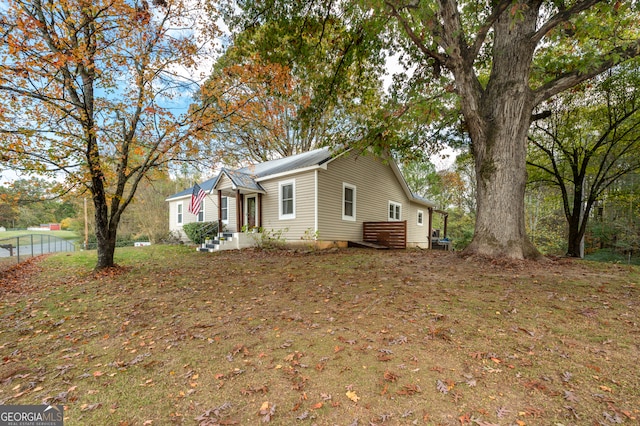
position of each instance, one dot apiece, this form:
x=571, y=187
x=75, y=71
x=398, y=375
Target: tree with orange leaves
x=89, y=90
x=281, y=92
x=260, y=102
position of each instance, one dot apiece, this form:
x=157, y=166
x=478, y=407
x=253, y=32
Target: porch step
x=228, y=241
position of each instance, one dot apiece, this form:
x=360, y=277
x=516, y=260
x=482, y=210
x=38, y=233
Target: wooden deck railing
x=389, y=234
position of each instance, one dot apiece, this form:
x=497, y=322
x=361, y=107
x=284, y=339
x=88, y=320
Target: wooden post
x=430, y=226
x=446, y=220
x=220, y=211
x=238, y=211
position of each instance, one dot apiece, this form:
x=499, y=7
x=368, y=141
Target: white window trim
x=225, y=221
x=352, y=187
x=282, y=184
x=180, y=213
x=395, y=204
x=418, y=221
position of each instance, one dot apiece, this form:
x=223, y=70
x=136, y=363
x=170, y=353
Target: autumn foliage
x=259, y=104
x=89, y=91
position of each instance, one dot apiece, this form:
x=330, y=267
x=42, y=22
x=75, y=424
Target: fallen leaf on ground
x=352, y=396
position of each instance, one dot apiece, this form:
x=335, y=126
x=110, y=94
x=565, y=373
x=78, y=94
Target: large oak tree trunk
x=501, y=177
x=498, y=117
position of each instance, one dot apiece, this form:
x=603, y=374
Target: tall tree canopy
x=267, y=86
x=502, y=58
x=88, y=89
x=589, y=142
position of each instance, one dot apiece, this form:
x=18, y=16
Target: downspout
x=315, y=207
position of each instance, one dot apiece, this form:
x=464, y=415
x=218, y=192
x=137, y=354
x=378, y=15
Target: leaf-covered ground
x=353, y=337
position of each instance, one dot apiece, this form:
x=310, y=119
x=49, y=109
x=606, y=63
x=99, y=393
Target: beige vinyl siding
x=173, y=213
x=224, y=183
x=212, y=213
x=230, y=223
x=417, y=235
x=304, y=201
x=211, y=210
x=376, y=185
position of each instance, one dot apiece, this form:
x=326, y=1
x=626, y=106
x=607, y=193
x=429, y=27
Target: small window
x=201, y=213
x=395, y=210
x=224, y=208
x=287, y=200
x=348, y=202
x=179, y=216
x=420, y=218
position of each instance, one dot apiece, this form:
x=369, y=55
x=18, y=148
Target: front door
x=251, y=212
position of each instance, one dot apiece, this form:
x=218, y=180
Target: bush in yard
x=269, y=239
x=198, y=232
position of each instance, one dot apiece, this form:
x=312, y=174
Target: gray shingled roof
x=207, y=185
x=245, y=177
x=243, y=180
x=287, y=164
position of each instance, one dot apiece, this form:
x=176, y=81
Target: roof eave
x=181, y=197
x=247, y=190
x=322, y=166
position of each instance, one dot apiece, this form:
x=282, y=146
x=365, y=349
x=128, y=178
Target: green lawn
x=341, y=337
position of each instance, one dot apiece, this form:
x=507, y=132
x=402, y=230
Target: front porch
x=247, y=195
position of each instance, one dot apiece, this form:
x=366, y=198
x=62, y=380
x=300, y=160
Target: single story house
x=331, y=197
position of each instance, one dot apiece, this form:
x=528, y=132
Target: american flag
x=197, y=196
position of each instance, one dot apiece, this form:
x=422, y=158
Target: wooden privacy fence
x=389, y=234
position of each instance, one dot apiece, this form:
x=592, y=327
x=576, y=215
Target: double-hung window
x=287, y=200
x=348, y=202
x=395, y=211
x=201, y=213
x=420, y=218
x=224, y=209
x=179, y=214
